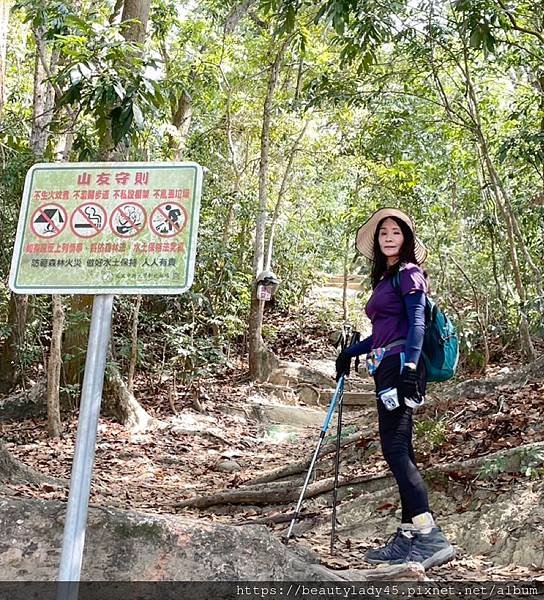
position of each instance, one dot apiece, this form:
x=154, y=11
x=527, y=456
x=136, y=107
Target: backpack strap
x=395, y=282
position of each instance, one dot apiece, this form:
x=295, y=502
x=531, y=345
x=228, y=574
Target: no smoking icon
x=88, y=220
x=168, y=219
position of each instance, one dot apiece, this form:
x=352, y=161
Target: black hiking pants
x=396, y=428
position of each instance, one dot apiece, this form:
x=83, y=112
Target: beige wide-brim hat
x=364, y=241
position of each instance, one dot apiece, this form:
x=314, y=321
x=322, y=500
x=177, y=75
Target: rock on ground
x=127, y=546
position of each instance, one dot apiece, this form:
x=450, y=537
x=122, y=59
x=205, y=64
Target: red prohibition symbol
x=128, y=219
x=88, y=220
x=168, y=219
x=48, y=220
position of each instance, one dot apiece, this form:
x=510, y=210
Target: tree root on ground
x=122, y=405
x=289, y=491
x=28, y=403
x=303, y=465
x=13, y=470
x=275, y=493
x=276, y=518
x=514, y=456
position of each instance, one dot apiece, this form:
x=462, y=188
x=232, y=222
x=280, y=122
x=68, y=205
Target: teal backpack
x=440, y=342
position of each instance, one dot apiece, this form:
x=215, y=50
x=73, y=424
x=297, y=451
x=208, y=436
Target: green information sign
x=107, y=228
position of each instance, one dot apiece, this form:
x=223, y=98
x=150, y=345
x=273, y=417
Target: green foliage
x=530, y=462
x=107, y=78
x=383, y=88
x=430, y=433
x=492, y=468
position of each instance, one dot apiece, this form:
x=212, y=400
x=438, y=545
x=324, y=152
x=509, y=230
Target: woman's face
x=390, y=238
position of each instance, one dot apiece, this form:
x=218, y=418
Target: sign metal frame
x=102, y=287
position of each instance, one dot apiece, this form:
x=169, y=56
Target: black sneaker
x=394, y=552
x=430, y=549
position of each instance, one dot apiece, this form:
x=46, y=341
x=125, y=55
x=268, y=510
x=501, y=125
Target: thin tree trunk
x=504, y=207
x=499, y=194
x=54, y=426
x=42, y=108
x=257, y=349
x=527, y=344
x=182, y=119
x=347, y=240
x=345, y=279
x=498, y=286
x=42, y=113
x=134, y=345
x=281, y=194
x=235, y=167
x=5, y=6
x=481, y=320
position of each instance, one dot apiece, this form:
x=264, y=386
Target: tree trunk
x=181, y=119
x=4, y=20
x=42, y=114
x=18, y=304
x=42, y=108
x=120, y=400
x=10, y=371
x=281, y=194
x=237, y=171
x=347, y=245
x=134, y=345
x=257, y=349
x=352, y=198
x=75, y=339
x=137, y=10
x=503, y=204
x=54, y=426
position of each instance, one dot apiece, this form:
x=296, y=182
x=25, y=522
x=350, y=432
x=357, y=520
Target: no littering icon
x=168, y=219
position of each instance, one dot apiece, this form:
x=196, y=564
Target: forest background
x=307, y=116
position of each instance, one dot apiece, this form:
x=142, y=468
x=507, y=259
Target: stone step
x=357, y=398
x=296, y=416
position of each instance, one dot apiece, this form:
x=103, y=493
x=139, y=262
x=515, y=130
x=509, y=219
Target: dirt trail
x=496, y=524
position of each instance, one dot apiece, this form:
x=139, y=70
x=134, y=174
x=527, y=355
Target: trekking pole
x=336, y=471
x=355, y=337
x=337, y=394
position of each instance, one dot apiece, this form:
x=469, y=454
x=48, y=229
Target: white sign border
x=96, y=290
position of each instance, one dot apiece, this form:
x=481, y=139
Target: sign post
x=102, y=229
x=80, y=481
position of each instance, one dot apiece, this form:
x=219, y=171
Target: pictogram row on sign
x=127, y=220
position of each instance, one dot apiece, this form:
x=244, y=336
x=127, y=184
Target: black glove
x=409, y=383
x=343, y=363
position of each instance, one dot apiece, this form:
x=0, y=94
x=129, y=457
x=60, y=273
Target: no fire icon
x=48, y=220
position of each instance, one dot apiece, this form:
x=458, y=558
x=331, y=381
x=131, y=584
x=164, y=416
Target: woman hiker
x=397, y=313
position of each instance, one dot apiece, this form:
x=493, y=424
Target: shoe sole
x=439, y=558
x=383, y=561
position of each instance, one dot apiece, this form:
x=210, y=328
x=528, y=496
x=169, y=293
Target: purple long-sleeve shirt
x=397, y=314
